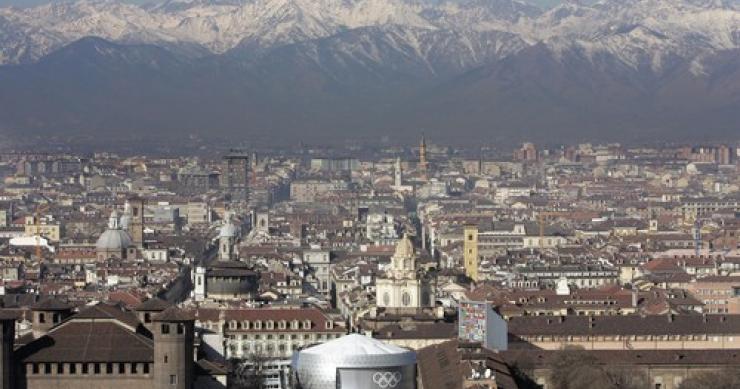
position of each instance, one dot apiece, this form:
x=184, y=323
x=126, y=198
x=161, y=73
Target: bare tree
x=725, y=379
x=248, y=373
x=574, y=368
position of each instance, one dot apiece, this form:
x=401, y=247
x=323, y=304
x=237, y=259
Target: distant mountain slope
x=501, y=69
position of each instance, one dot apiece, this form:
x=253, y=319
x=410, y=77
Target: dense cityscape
x=388, y=266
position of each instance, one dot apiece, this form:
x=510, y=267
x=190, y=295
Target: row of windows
x=179, y=328
x=318, y=337
x=270, y=324
x=88, y=368
x=282, y=336
x=714, y=292
x=627, y=338
x=268, y=348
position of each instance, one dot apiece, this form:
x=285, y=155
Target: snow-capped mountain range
x=643, y=67
x=637, y=32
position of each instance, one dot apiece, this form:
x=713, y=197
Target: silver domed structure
x=355, y=361
x=114, y=242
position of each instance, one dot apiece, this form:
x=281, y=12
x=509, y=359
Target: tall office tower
x=724, y=155
x=235, y=177
x=528, y=152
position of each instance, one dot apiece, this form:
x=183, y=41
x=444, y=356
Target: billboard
x=472, y=321
x=402, y=377
x=478, y=322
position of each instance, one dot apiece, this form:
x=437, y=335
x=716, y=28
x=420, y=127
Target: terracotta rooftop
x=174, y=314
x=51, y=304
x=153, y=305
x=625, y=325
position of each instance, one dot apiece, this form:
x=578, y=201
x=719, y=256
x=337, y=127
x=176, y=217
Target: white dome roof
x=355, y=345
x=114, y=239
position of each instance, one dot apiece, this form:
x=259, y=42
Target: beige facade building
x=720, y=294
x=633, y=332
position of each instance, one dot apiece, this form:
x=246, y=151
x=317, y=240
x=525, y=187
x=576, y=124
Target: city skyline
x=375, y=194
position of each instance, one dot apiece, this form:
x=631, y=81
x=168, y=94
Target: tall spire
x=423, y=164
x=398, y=180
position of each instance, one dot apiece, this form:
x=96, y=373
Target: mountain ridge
x=501, y=69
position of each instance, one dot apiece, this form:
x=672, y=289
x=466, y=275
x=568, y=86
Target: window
x=166, y=359
x=42, y=318
x=121, y=368
x=134, y=369
x=96, y=368
x=85, y=368
x=180, y=328
x=35, y=368
x=165, y=329
x=146, y=368
x=72, y=368
x=47, y=368
x=173, y=379
x=147, y=318
x=60, y=368
x=108, y=368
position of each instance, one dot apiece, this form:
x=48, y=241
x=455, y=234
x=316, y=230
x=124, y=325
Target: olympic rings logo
x=387, y=379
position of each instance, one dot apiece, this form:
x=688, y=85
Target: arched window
x=406, y=299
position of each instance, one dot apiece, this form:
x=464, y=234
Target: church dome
x=114, y=240
x=404, y=248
